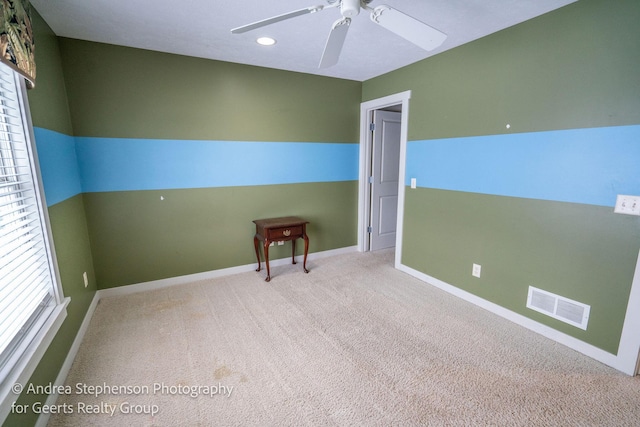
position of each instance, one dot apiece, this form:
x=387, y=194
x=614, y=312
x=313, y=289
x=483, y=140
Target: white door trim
x=366, y=110
x=629, y=349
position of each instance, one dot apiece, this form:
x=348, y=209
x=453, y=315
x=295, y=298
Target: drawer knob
x=287, y=233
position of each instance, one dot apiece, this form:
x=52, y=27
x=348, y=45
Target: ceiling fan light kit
x=401, y=24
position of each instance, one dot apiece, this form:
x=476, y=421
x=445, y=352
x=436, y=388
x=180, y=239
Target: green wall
x=141, y=237
x=585, y=253
x=573, y=68
x=48, y=100
x=145, y=94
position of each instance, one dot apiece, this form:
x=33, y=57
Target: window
x=31, y=304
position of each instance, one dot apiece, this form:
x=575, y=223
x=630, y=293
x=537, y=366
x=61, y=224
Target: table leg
x=306, y=250
x=255, y=245
x=293, y=251
x=266, y=259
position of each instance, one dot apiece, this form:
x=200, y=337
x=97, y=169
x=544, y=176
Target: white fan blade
x=334, y=43
x=284, y=16
x=407, y=27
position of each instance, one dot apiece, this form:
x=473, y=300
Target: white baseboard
x=43, y=419
x=180, y=280
x=616, y=362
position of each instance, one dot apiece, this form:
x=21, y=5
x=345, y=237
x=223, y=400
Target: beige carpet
x=354, y=342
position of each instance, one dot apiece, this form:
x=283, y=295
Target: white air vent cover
x=561, y=308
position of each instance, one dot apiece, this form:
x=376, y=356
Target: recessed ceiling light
x=266, y=41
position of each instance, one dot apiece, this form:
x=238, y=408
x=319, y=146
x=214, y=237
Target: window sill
x=20, y=375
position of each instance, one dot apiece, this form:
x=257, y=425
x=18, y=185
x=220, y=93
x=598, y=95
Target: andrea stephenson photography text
x=108, y=408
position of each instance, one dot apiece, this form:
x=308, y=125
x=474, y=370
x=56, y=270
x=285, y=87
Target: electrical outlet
x=86, y=279
x=629, y=205
x=281, y=242
x=272, y=243
x=476, y=270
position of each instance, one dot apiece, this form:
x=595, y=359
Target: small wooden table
x=280, y=229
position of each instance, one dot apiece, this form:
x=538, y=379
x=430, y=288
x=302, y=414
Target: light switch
x=413, y=183
x=629, y=205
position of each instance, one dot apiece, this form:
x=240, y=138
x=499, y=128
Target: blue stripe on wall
x=112, y=164
x=589, y=166
x=58, y=165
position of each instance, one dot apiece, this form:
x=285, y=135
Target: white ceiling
x=201, y=28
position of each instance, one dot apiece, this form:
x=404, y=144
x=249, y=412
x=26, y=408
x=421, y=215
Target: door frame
x=364, y=208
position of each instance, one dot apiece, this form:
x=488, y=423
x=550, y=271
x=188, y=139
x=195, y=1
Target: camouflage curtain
x=16, y=38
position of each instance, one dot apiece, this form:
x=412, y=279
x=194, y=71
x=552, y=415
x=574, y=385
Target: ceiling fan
x=407, y=27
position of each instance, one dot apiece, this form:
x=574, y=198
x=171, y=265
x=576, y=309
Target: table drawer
x=284, y=233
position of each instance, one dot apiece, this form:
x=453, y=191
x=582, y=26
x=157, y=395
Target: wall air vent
x=561, y=308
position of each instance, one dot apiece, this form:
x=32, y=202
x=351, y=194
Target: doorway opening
x=383, y=139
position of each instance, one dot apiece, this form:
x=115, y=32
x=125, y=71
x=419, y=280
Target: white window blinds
x=28, y=286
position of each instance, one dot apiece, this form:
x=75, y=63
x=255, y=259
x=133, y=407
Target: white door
x=385, y=166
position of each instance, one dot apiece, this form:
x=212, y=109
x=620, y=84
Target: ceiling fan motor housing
x=350, y=8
